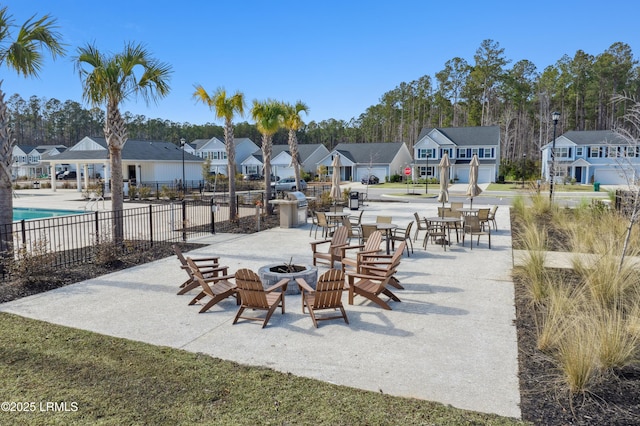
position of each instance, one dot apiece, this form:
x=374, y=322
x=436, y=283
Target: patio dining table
x=466, y=211
x=445, y=221
x=336, y=217
x=387, y=228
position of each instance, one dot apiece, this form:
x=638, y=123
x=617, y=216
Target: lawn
x=517, y=186
x=99, y=379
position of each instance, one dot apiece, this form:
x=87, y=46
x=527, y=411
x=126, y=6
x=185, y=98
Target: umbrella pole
x=471, y=202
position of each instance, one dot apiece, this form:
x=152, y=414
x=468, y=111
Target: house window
x=630, y=151
x=427, y=172
x=563, y=152
x=465, y=153
x=449, y=151
x=612, y=151
x=579, y=151
x=425, y=153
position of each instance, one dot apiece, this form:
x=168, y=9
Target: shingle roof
x=375, y=152
x=593, y=137
x=132, y=150
x=468, y=136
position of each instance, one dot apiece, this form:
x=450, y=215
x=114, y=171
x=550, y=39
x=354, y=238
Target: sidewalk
x=452, y=338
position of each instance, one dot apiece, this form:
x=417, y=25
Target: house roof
x=467, y=136
x=304, y=151
x=133, y=150
x=375, y=152
x=594, y=137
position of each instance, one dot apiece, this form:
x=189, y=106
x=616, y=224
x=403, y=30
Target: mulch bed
x=544, y=401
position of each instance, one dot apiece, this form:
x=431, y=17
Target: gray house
x=308, y=157
x=357, y=160
x=461, y=143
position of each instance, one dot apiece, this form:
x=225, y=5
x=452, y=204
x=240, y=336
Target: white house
x=216, y=151
x=142, y=161
x=592, y=156
x=461, y=143
x=358, y=160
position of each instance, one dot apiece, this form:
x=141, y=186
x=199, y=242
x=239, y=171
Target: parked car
x=253, y=176
x=370, y=180
x=68, y=174
x=288, y=184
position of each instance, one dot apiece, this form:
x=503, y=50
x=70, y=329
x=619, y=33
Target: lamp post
x=426, y=174
x=555, y=116
x=524, y=167
x=182, y=142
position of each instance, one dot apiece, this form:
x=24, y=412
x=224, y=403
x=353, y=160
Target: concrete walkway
x=452, y=338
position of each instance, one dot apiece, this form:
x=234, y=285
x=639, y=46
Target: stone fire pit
x=271, y=274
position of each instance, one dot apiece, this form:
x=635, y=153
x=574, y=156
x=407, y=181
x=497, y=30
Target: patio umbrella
x=444, y=180
x=335, y=193
x=473, y=189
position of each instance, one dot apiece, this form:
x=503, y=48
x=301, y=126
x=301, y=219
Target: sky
x=339, y=57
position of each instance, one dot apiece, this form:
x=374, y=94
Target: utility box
x=354, y=200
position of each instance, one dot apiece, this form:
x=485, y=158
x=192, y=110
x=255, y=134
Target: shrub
x=145, y=192
x=32, y=266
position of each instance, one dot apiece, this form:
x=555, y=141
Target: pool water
x=20, y=213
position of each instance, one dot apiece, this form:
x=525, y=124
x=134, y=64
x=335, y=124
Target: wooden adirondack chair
x=333, y=253
x=208, y=267
x=217, y=288
x=377, y=263
x=254, y=296
x=327, y=295
x=371, y=246
x=371, y=285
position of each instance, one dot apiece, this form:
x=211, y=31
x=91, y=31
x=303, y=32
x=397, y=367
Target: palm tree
x=23, y=55
x=268, y=116
x=225, y=107
x=293, y=122
x=109, y=80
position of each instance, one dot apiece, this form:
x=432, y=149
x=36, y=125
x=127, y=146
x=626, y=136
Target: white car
x=288, y=184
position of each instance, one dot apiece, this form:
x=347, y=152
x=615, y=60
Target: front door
x=132, y=173
x=578, y=174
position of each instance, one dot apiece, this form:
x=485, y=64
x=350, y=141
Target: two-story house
x=461, y=143
x=308, y=157
x=215, y=150
x=592, y=156
x=27, y=160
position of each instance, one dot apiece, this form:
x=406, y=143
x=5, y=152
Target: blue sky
x=337, y=56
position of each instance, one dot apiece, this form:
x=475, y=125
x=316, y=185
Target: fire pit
x=271, y=274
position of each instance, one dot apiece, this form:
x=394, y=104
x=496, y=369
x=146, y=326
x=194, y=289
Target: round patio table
x=387, y=228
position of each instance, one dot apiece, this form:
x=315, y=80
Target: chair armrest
x=317, y=243
x=345, y=248
x=220, y=278
x=351, y=275
x=216, y=269
x=282, y=283
x=205, y=259
x=304, y=285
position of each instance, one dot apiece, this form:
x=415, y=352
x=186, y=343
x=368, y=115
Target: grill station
x=293, y=209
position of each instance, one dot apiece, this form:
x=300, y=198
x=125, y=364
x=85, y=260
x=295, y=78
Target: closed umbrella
x=443, y=196
x=473, y=189
x=335, y=193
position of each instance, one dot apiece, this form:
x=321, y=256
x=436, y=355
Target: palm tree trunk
x=231, y=166
x=115, y=132
x=267, y=148
x=6, y=193
x=293, y=147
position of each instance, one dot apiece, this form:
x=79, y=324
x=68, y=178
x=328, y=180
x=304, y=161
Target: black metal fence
x=73, y=238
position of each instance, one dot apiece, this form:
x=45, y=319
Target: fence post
x=97, y=227
x=213, y=217
x=151, y=224
x=157, y=191
x=184, y=220
x=23, y=232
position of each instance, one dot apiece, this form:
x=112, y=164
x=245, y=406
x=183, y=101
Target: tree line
x=480, y=92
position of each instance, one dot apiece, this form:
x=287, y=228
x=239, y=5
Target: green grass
x=517, y=186
x=116, y=381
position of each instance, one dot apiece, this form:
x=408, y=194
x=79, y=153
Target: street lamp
x=182, y=142
x=524, y=167
x=426, y=174
x=555, y=116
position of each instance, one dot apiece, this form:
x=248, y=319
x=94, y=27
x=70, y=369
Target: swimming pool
x=20, y=213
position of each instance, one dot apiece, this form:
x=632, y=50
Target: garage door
x=485, y=174
x=381, y=173
x=610, y=177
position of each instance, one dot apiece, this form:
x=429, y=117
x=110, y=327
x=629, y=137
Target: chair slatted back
x=250, y=287
x=373, y=242
x=483, y=214
x=407, y=231
x=347, y=224
x=196, y=274
x=383, y=219
x=456, y=205
x=390, y=269
x=421, y=224
x=329, y=290
x=340, y=236
x=442, y=211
